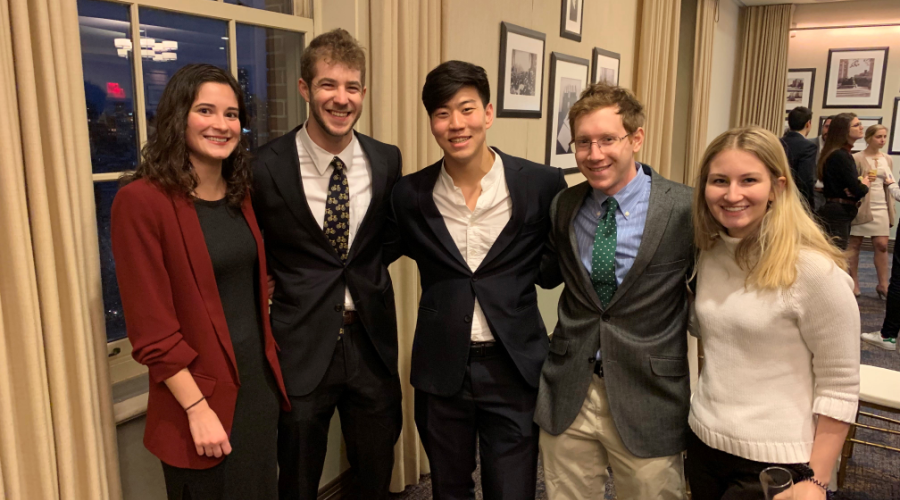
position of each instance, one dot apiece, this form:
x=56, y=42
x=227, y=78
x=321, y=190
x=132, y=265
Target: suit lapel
x=573, y=206
x=659, y=209
x=285, y=171
x=201, y=264
x=379, y=183
x=518, y=193
x=433, y=216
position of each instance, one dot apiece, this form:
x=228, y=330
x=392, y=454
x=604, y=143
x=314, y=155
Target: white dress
x=880, y=224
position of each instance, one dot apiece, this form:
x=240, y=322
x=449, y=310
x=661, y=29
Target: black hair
x=444, y=81
x=799, y=117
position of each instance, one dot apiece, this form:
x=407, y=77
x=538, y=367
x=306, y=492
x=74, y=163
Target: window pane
x=268, y=71
x=104, y=192
x=108, y=84
x=171, y=41
x=283, y=6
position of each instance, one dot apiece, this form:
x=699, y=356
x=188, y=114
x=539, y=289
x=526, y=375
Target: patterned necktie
x=337, y=210
x=603, y=259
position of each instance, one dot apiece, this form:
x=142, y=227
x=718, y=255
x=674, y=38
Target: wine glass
x=777, y=483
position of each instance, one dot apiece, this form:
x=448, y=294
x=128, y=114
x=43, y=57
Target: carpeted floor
x=872, y=474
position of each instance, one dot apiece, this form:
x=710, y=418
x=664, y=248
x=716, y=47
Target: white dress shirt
x=475, y=231
x=315, y=173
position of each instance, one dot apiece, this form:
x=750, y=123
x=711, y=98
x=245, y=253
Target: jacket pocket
x=669, y=367
x=667, y=267
x=559, y=345
x=206, y=384
x=283, y=312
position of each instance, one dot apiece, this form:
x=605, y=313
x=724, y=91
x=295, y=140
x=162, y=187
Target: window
x=123, y=90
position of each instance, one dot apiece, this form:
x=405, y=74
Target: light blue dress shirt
x=631, y=217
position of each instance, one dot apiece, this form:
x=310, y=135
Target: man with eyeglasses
x=615, y=388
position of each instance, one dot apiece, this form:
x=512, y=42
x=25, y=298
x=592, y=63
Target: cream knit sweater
x=773, y=359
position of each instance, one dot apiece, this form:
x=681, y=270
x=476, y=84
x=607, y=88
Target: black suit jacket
x=503, y=283
x=801, y=154
x=307, y=307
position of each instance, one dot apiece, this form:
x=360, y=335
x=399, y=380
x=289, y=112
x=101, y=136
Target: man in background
x=801, y=153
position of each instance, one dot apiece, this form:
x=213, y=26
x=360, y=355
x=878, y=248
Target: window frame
x=122, y=366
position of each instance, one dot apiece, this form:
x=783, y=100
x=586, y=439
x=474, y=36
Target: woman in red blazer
x=191, y=271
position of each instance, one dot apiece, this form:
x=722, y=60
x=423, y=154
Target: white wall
x=724, y=67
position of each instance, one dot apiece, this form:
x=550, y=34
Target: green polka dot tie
x=337, y=210
x=603, y=259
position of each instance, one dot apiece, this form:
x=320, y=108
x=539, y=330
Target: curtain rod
x=846, y=26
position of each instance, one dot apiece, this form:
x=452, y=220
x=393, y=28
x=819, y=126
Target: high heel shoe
x=882, y=294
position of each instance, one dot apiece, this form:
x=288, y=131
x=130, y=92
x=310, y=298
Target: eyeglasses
x=584, y=144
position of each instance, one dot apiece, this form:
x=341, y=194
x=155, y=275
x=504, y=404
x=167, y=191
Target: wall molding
x=340, y=487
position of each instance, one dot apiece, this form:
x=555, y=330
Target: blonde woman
x=876, y=213
x=772, y=295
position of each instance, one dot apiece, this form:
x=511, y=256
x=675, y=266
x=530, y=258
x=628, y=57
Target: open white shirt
x=315, y=173
x=475, y=231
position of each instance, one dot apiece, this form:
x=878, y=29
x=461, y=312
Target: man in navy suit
x=475, y=222
x=801, y=152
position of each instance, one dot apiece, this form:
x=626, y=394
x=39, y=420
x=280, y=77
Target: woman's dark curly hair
x=164, y=159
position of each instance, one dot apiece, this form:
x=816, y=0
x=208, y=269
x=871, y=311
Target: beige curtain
x=57, y=434
x=702, y=75
x=405, y=46
x=657, y=65
x=762, y=74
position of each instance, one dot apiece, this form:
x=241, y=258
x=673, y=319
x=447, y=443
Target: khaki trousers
x=575, y=462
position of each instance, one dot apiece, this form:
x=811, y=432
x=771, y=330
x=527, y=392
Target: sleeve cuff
x=174, y=361
x=838, y=409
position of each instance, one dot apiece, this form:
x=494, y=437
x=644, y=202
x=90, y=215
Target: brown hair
x=873, y=129
x=335, y=46
x=601, y=95
x=164, y=159
x=838, y=136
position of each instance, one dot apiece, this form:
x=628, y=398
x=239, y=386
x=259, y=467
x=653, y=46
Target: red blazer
x=174, y=316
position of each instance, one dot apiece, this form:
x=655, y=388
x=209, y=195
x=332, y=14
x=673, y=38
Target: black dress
x=842, y=190
x=250, y=471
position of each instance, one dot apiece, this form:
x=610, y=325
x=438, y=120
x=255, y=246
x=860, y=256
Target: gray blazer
x=642, y=333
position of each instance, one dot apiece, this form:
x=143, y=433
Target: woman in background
x=876, y=213
x=842, y=186
x=191, y=271
x=772, y=296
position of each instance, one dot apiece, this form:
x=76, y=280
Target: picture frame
x=571, y=15
x=605, y=66
x=800, y=87
x=854, y=78
x=867, y=121
x=520, y=94
x=568, y=77
x=894, y=139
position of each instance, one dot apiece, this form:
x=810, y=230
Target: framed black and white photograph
x=894, y=139
x=605, y=67
x=570, y=19
x=800, y=88
x=854, y=78
x=520, y=93
x=568, y=77
x=867, y=121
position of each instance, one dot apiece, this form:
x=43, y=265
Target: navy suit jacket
x=504, y=283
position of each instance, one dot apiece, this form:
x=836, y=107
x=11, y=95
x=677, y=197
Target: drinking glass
x=777, y=483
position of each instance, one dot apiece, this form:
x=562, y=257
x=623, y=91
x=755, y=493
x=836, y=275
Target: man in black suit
x=320, y=195
x=475, y=223
x=801, y=152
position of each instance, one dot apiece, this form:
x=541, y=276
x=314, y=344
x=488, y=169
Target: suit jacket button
x=605, y=317
x=338, y=308
x=468, y=318
x=474, y=278
x=592, y=359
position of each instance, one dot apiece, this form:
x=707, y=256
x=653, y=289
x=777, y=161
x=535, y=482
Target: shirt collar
x=322, y=159
x=487, y=181
x=629, y=196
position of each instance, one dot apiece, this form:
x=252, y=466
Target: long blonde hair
x=771, y=254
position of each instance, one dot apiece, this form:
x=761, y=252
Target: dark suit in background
x=801, y=154
x=462, y=389
x=331, y=359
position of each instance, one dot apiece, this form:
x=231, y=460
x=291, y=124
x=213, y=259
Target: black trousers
x=716, y=475
x=892, y=309
x=367, y=398
x=835, y=219
x=494, y=406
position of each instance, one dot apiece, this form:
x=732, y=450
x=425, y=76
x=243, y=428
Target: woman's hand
x=209, y=436
x=270, y=285
x=806, y=490
x=867, y=181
